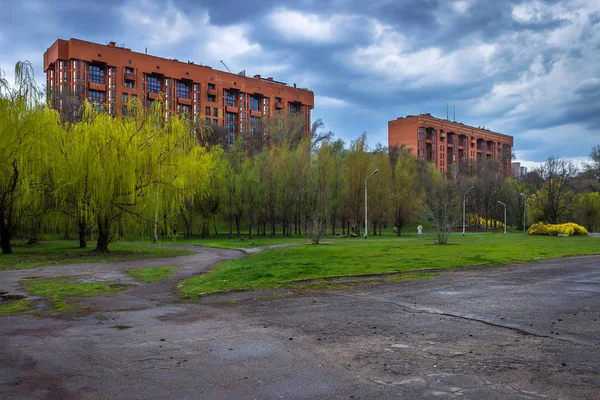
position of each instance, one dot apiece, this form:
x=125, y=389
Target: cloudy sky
x=530, y=69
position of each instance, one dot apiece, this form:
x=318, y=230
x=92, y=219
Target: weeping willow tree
x=131, y=173
x=26, y=129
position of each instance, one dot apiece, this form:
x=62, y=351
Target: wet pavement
x=513, y=332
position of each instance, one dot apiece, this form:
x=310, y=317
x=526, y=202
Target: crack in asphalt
x=411, y=308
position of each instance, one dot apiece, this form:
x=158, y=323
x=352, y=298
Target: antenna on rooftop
x=225, y=66
x=454, y=108
x=447, y=111
x=242, y=73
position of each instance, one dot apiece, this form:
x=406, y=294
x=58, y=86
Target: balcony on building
x=129, y=75
x=154, y=86
x=183, y=92
x=278, y=103
x=101, y=87
x=451, y=139
x=429, y=132
x=255, y=101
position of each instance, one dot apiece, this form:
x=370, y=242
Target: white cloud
x=297, y=26
x=167, y=26
x=392, y=57
x=461, y=6
x=163, y=25
x=325, y=101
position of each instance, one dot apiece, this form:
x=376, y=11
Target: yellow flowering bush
x=569, y=228
x=480, y=221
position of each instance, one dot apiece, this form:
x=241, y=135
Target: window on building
x=254, y=101
x=231, y=117
x=96, y=73
x=95, y=95
x=293, y=108
x=230, y=99
x=183, y=90
x=153, y=84
x=215, y=122
x=207, y=111
x=183, y=109
x=211, y=86
x=129, y=84
x=128, y=70
x=212, y=98
x=215, y=112
x=230, y=126
x=254, y=120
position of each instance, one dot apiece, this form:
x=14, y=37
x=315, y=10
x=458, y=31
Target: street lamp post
x=504, y=215
x=366, y=221
x=524, y=212
x=464, y=202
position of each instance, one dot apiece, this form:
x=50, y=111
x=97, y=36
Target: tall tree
x=442, y=203
x=27, y=131
x=358, y=164
x=407, y=192
x=131, y=170
x=556, y=197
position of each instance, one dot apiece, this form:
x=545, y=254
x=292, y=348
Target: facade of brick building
x=445, y=143
x=108, y=75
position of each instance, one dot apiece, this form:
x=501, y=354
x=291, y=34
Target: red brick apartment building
x=107, y=75
x=445, y=142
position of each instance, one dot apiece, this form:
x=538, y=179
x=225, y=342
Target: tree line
x=105, y=177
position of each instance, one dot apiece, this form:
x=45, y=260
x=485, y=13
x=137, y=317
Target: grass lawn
x=14, y=307
x=58, y=290
x=68, y=252
x=379, y=255
x=224, y=242
x=151, y=274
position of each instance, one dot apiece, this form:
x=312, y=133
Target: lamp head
x=376, y=171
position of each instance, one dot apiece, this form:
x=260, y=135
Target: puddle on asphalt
x=4, y=296
x=448, y=293
x=121, y=327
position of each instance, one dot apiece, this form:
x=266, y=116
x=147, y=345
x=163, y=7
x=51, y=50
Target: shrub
x=480, y=221
x=569, y=228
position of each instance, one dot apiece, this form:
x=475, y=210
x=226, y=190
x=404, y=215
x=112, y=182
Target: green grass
x=151, y=274
x=223, y=241
x=380, y=255
x=15, y=307
x=68, y=252
x=58, y=290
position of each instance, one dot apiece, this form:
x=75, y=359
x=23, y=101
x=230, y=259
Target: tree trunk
x=82, y=234
x=4, y=236
x=103, y=235
x=215, y=225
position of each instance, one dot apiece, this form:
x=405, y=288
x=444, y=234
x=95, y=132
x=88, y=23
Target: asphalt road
x=523, y=332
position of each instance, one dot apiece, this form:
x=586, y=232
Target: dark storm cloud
x=518, y=65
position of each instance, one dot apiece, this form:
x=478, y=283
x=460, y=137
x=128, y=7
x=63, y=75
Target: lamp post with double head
x=504, y=215
x=366, y=221
x=464, y=202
